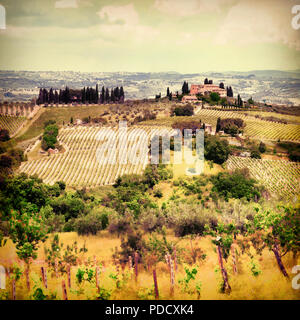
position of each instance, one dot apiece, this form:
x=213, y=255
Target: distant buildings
x=206, y=89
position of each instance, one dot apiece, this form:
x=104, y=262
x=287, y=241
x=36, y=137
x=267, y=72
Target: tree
x=107, y=97
x=205, y=81
x=122, y=95
x=255, y=154
x=102, y=96
x=216, y=149
x=235, y=185
x=50, y=137
x=221, y=85
x=229, y=92
x=280, y=232
x=51, y=96
x=262, y=147
x=215, y=97
x=168, y=92
x=4, y=135
x=96, y=94
x=218, y=127
x=27, y=230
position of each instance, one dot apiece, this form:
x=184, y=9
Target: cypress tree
x=102, y=96
x=97, y=94
x=107, y=95
x=122, y=94
x=168, y=92
x=218, y=127
x=112, y=96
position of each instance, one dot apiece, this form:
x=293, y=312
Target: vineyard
x=279, y=177
x=94, y=275
x=255, y=128
x=11, y=123
x=83, y=163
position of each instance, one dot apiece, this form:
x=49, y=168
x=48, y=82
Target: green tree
x=280, y=232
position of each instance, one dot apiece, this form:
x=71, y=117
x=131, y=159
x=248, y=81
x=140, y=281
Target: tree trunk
x=279, y=261
x=227, y=287
x=27, y=276
x=155, y=284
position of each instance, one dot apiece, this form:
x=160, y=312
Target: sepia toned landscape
x=149, y=184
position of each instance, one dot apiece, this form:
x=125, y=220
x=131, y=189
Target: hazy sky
x=187, y=36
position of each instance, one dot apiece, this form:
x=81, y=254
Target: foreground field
x=267, y=284
x=279, y=177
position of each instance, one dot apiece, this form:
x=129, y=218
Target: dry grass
x=270, y=284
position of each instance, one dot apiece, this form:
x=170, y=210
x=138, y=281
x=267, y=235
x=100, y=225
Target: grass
x=270, y=284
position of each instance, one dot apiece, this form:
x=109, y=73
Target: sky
x=186, y=36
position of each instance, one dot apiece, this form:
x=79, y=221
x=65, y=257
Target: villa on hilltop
x=206, y=89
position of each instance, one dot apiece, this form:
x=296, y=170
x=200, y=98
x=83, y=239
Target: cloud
x=122, y=22
x=188, y=8
x=255, y=21
x=115, y=14
x=63, y=4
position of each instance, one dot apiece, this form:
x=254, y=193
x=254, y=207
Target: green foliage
x=187, y=110
x=91, y=223
x=216, y=149
x=27, y=230
x=189, y=284
x=214, y=97
x=255, y=154
x=50, y=136
x=235, y=185
x=63, y=255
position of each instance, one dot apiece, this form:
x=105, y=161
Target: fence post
x=44, y=276
x=172, y=277
x=234, y=266
x=97, y=277
x=13, y=289
x=136, y=259
x=227, y=287
x=155, y=284
x=69, y=275
x=64, y=290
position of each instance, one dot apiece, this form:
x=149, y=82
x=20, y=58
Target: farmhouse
x=206, y=89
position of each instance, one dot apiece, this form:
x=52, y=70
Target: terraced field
x=11, y=123
x=279, y=177
x=89, y=156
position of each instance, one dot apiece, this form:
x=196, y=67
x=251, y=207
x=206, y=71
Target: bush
x=120, y=223
x=189, y=219
x=4, y=135
x=235, y=185
x=151, y=219
x=91, y=223
x=255, y=154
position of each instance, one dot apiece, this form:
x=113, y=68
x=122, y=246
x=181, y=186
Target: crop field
x=11, y=123
x=279, y=177
x=255, y=128
x=82, y=163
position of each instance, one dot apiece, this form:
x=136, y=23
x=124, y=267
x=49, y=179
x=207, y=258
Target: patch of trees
x=236, y=184
x=4, y=135
x=85, y=95
x=230, y=126
x=206, y=81
x=185, y=88
x=49, y=139
x=229, y=92
x=187, y=110
x=293, y=150
x=215, y=149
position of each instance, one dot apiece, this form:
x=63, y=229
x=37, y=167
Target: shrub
x=91, y=223
x=120, y=223
x=189, y=219
x=151, y=219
